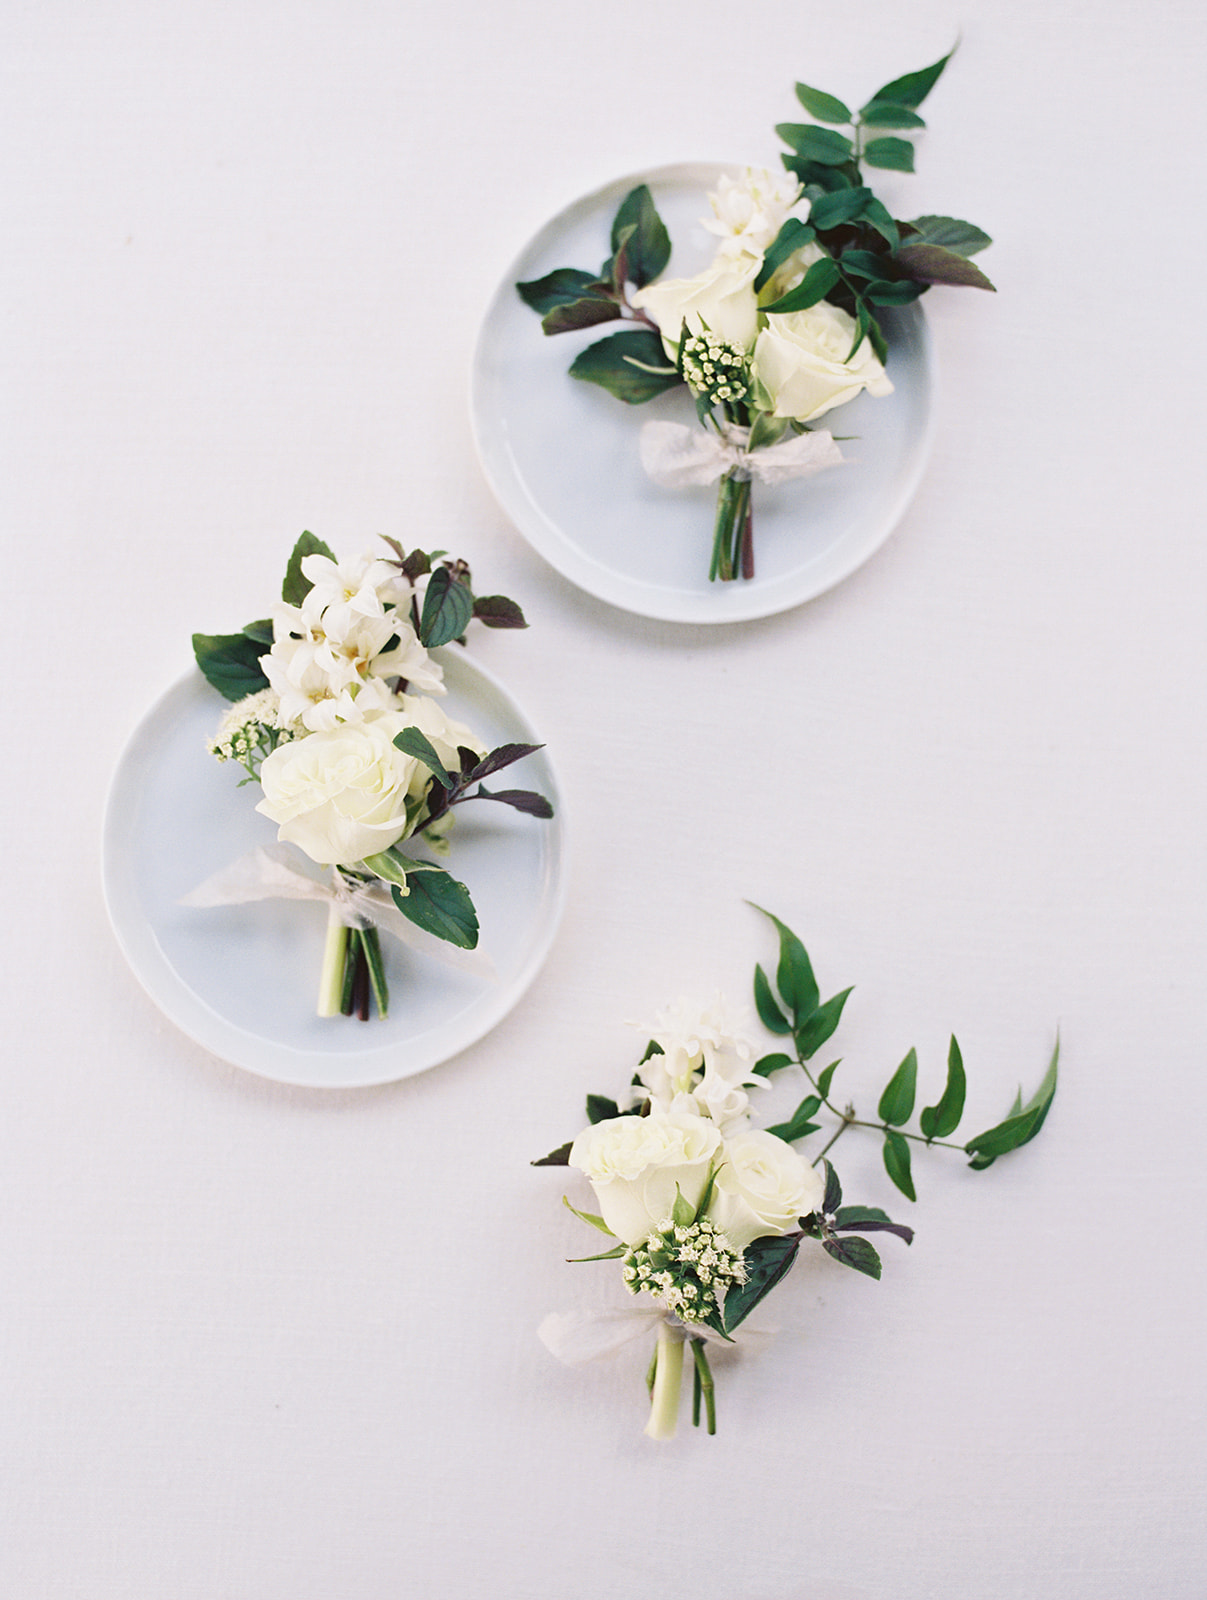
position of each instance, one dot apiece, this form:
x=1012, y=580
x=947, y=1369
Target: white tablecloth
x=280, y=1344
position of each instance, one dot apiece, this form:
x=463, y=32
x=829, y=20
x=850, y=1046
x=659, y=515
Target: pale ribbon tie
x=678, y=457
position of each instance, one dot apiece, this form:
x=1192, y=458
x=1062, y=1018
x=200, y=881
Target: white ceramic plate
x=561, y=455
x=241, y=980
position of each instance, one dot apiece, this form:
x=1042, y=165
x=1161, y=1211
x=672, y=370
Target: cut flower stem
x=668, y=1380
x=331, y=977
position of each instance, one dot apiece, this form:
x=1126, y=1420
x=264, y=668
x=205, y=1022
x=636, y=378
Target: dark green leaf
x=794, y=974
x=798, y=1125
x=769, y=1013
x=863, y=264
x=826, y=1077
x=816, y=284
x=231, y=663
x=877, y=216
x=939, y=1120
x=649, y=245
x=931, y=263
x=651, y=1049
x=816, y=1029
x=601, y=1109
x=961, y=237
x=559, y=288
x=889, y=114
x=843, y=205
x=893, y=293
x=914, y=87
x=897, y=1101
x=766, y=1065
x=585, y=313
x=793, y=236
x=820, y=145
x=767, y=1261
x=448, y=606
x=296, y=585
x=896, y=1163
x=855, y=1253
x=609, y=363
x=528, y=801
x=1019, y=1128
x=897, y=155
x=825, y=107
x=497, y=611
x=261, y=633
x=439, y=905
x=413, y=743
x=870, y=1219
x=833, y=1198
x=816, y=176
x=556, y=1158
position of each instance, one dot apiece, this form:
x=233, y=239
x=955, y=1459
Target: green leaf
x=816, y=284
x=296, y=585
x=766, y=1065
x=870, y=1219
x=261, y=632
x=963, y=238
x=448, y=606
x=939, y=1120
x=815, y=176
x=893, y=293
x=843, y=205
x=649, y=245
x=914, y=87
x=793, y=236
x=601, y=1109
x=231, y=664
x=896, y=1163
x=818, y=1027
x=556, y=1158
x=798, y=1125
x=497, y=611
x=584, y=313
x=527, y=801
x=682, y=1212
x=897, y=1101
x=826, y=1077
x=440, y=905
x=770, y=1014
x=931, y=263
x=390, y=865
x=897, y=155
x=877, y=216
x=767, y=1261
x=609, y=363
x=855, y=1253
x=825, y=107
x=794, y=975
x=589, y=1216
x=1021, y=1126
x=822, y=145
x=614, y=1254
x=558, y=288
x=413, y=743
x=889, y=114
x=833, y=1197
x=863, y=264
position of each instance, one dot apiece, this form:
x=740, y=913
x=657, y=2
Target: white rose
x=749, y=211
x=762, y=1187
x=801, y=359
x=722, y=296
x=635, y=1165
x=440, y=730
x=341, y=794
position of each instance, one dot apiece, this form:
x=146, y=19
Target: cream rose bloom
x=801, y=359
x=749, y=211
x=341, y=794
x=721, y=297
x=636, y=1164
x=762, y=1187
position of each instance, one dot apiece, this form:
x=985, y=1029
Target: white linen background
x=267, y=1342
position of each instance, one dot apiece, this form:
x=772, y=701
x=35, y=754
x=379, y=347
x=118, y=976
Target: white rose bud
x=801, y=359
x=762, y=1187
x=636, y=1164
x=721, y=298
